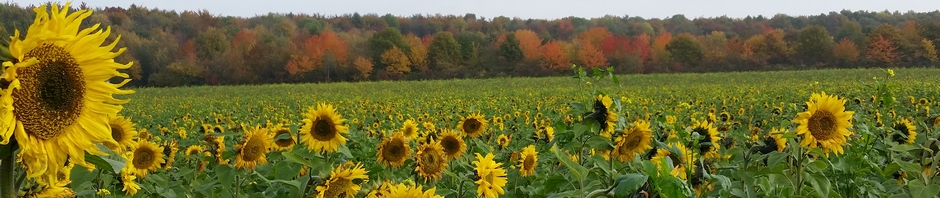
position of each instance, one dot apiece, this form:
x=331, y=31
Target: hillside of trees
x=173, y=48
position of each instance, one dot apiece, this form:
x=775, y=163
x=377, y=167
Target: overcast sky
x=544, y=9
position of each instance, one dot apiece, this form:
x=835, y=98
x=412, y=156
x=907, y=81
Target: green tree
x=851, y=30
x=382, y=41
x=814, y=44
x=211, y=44
x=510, y=50
x=444, y=52
x=686, y=50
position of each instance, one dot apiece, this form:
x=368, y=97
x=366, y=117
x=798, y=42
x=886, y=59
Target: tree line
x=171, y=48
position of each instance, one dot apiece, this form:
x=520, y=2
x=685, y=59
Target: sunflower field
x=822, y=133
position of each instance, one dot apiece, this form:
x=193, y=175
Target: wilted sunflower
x=251, y=152
x=194, y=150
x=323, y=129
x=452, y=144
x=344, y=181
x=681, y=159
x=473, y=125
x=145, y=157
x=394, y=150
x=59, y=91
x=410, y=129
x=708, y=145
x=57, y=189
x=603, y=114
x=529, y=160
x=503, y=141
x=774, y=141
x=430, y=161
x=491, y=177
x=122, y=132
x=169, y=150
x=410, y=191
x=634, y=141
x=825, y=123
x=283, y=138
x=905, y=132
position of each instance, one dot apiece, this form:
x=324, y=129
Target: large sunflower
x=632, y=142
x=825, y=123
x=603, y=114
x=394, y=150
x=323, y=129
x=529, y=160
x=708, y=145
x=251, y=152
x=122, y=132
x=343, y=181
x=410, y=191
x=145, y=157
x=905, y=132
x=410, y=129
x=473, y=125
x=283, y=138
x=59, y=98
x=430, y=160
x=452, y=144
x=491, y=177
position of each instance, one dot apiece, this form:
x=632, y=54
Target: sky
x=539, y=9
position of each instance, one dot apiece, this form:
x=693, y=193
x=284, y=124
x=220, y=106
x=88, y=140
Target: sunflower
x=410, y=129
x=127, y=181
x=194, y=150
x=283, y=138
x=491, y=177
x=473, y=125
x=529, y=160
x=344, y=181
x=394, y=150
x=632, y=142
x=58, y=94
x=323, y=129
x=603, y=114
x=218, y=144
x=905, y=132
x=430, y=161
x=145, y=157
x=824, y=124
x=774, y=141
x=708, y=145
x=410, y=191
x=452, y=144
x=503, y=141
x=681, y=159
x=122, y=132
x=169, y=150
x=251, y=152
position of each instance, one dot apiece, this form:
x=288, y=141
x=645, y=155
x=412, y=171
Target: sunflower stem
x=6, y=176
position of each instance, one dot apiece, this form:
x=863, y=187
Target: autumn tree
x=555, y=56
x=715, y=48
x=594, y=36
x=509, y=49
x=529, y=43
x=845, y=51
x=211, y=43
x=419, y=52
x=364, y=66
x=686, y=50
x=930, y=52
x=444, y=52
x=591, y=57
x=396, y=60
x=382, y=41
x=658, y=50
x=882, y=50
x=814, y=44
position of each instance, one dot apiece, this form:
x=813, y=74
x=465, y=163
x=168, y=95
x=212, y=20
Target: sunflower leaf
x=908, y=166
x=579, y=171
x=225, y=174
x=600, y=143
x=902, y=148
x=104, y=163
x=296, y=159
x=629, y=183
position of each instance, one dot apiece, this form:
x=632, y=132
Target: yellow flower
x=473, y=125
x=709, y=134
x=430, y=161
x=170, y=149
x=194, y=150
x=145, y=157
x=323, y=129
x=905, y=132
x=603, y=114
x=529, y=160
x=393, y=150
x=59, y=95
x=891, y=72
x=410, y=129
x=122, y=132
x=491, y=177
x=283, y=138
x=825, y=123
x=342, y=182
x=452, y=144
x=632, y=142
x=127, y=179
x=410, y=191
x=251, y=152
x=502, y=140
x=681, y=159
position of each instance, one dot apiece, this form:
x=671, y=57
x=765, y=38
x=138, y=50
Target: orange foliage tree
x=882, y=49
x=845, y=50
x=555, y=57
x=364, y=66
x=591, y=57
x=594, y=36
x=529, y=43
x=658, y=50
x=396, y=60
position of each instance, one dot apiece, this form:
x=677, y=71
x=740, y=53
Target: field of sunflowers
x=822, y=133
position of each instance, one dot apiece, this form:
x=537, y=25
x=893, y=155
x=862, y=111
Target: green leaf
x=908, y=166
x=296, y=159
x=902, y=148
x=820, y=183
x=600, y=143
x=579, y=171
x=105, y=163
x=283, y=136
x=629, y=183
x=775, y=158
x=296, y=184
x=225, y=174
x=345, y=151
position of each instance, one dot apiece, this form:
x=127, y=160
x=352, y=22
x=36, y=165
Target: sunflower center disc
x=337, y=188
x=822, y=125
x=323, y=130
x=117, y=133
x=528, y=163
x=51, y=93
x=472, y=125
x=450, y=145
x=395, y=151
x=252, y=149
x=286, y=141
x=633, y=140
x=143, y=158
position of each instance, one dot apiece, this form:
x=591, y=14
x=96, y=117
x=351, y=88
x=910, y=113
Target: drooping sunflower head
x=127, y=181
x=529, y=160
x=603, y=112
x=283, y=138
x=252, y=150
x=431, y=161
x=410, y=129
x=680, y=156
x=634, y=141
x=194, y=150
x=491, y=176
x=323, y=129
x=708, y=145
x=344, y=181
x=774, y=141
x=59, y=91
x=825, y=123
x=122, y=132
x=144, y=158
x=394, y=150
x=453, y=144
x=169, y=150
x=474, y=125
x=904, y=132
